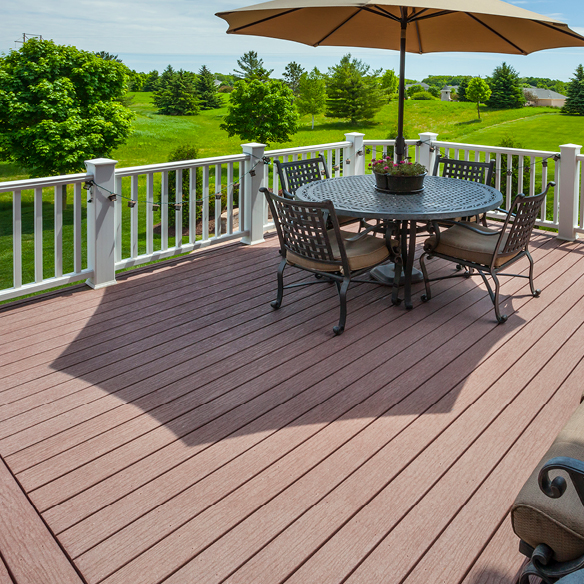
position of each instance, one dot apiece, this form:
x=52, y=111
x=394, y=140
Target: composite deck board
x=173, y=428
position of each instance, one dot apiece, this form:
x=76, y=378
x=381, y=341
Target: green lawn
x=156, y=136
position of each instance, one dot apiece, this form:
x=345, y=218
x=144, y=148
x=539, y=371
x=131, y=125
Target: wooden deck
x=174, y=428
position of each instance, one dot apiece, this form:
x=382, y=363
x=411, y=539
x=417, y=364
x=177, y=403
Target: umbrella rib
x=495, y=32
x=382, y=12
x=337, y=28
x=263, y=20
x=568, y=32
x=433, y=15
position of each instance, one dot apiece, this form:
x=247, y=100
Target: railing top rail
x=313, y=148
x=46, y=181
x=495, y=149
x=387, y=142
x=180, y=164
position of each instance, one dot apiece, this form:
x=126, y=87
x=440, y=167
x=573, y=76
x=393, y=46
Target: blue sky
x=149, y=34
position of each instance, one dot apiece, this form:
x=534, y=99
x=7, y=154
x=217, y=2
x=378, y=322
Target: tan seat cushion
x=468, y=245
x=363, y=253
x=559, y=523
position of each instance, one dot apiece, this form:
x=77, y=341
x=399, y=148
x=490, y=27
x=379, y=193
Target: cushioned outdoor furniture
x=297, y=173
x=548, y=514
x=466, y=170
x=306, y=242
x=486, y=250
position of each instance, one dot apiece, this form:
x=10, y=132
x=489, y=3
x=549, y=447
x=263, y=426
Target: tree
x=478, y=90
x=417, y=88
x=389, y=83
x=352, y=92
x=58, y=107
x=575, y=100
x=177, y=96
x=506, y=88
x=252, y=67
x=151, y=82
x=107, y=56
x=462, y=89
x=292, y=75
x=207, y=90
x=261, y=112
x=311, y=94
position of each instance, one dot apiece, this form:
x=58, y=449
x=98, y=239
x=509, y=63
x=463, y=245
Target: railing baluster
x=520, y=168
x=556, y=189
x=532, y=167
x=178, y=210
x=581, y=205
x=193, y=204
x=164, y=211
x=134, y=218
x=58, y=229
x=118, y=220
x=77, y=223
x=17, y=239
x=498, y=171
x=150, y=213
x=218, y=199
x=509, y=194
x=544, y=181
x=230, y=197
x=329, y=161
x=38, y=234
x=339, y=164
x=205, y=203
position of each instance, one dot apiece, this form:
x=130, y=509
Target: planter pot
x=400, y=184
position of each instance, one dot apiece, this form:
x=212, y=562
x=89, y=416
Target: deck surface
x=174, y=428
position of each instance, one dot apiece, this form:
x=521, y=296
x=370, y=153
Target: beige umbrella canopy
x=418, y=26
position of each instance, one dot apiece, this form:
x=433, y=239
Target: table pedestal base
x=385, y=274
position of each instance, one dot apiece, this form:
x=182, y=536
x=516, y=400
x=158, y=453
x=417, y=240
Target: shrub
x=423, y=95
x=509, y=142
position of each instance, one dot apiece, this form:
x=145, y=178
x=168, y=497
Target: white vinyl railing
x=126, y=217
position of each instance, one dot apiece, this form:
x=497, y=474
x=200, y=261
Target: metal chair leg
x=500, y=318
x=535, y=292
x=428, y=295
x=278, y=302
x=342, y=289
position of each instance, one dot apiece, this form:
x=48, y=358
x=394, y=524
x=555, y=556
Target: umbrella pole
x=400, y=143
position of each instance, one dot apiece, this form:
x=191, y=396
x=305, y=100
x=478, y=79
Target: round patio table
x=442, y=198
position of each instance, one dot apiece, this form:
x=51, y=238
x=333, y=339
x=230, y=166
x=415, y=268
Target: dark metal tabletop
x=442, y=198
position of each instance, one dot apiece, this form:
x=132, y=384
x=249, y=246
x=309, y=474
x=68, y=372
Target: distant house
x=447, y=91
x=217, y=83
x=424, y=86
x=544, y=97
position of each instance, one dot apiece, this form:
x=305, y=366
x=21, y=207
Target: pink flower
x=386, y=168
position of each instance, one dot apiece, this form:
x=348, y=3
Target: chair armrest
x=361, y=234
x=556, y=488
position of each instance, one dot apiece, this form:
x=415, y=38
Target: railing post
x=427, y=154
x=101, y=224
x=568, y=198
x=354, y=154
x=253, y=200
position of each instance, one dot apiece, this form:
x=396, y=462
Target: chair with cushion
x=307, y=243
x=297, y=173
x=485, y=250
x=481, y=172
x=548, y=513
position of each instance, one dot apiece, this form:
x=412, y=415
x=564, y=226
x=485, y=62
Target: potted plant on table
x=398, y=177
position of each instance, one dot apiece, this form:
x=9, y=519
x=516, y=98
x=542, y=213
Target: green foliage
x=227, y=80
x=575, y=100
x=58, y=107
x=462, y=86
x=506, y=88
x=545, y=83
x=184, y=152
x=136, y=80
x=510, y=142
x=439, y=81
x=400, y=168
x=261, y=111
x=389, y=83
x=423, y=95
x=252, y=67
x=107, y=56
x=311, y=94
x=414, y=89
x=206, y=89
x=292, y=75
x=478, y=90
x=176, y=94
x=352, y=92
x=151, y=81
x=434, y=91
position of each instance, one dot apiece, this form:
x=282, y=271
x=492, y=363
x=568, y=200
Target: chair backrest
x=297, y=173
x=302, y=229
x=524, y=212
x=465, y=169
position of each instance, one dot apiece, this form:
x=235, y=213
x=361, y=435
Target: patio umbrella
x=416, y=26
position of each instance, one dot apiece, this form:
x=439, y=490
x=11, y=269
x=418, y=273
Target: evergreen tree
x=151, y=83
x=177, y=96
x=252, y=67
x=311, y=94
x=292, y=75
x=352, y=92
x=462, y=89
x=506, y=88
x=205, y=86
x=575, y=102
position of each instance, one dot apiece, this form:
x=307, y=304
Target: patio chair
x=331, y=254
x=485, y=250
x=297, y=173
x=466, y=170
